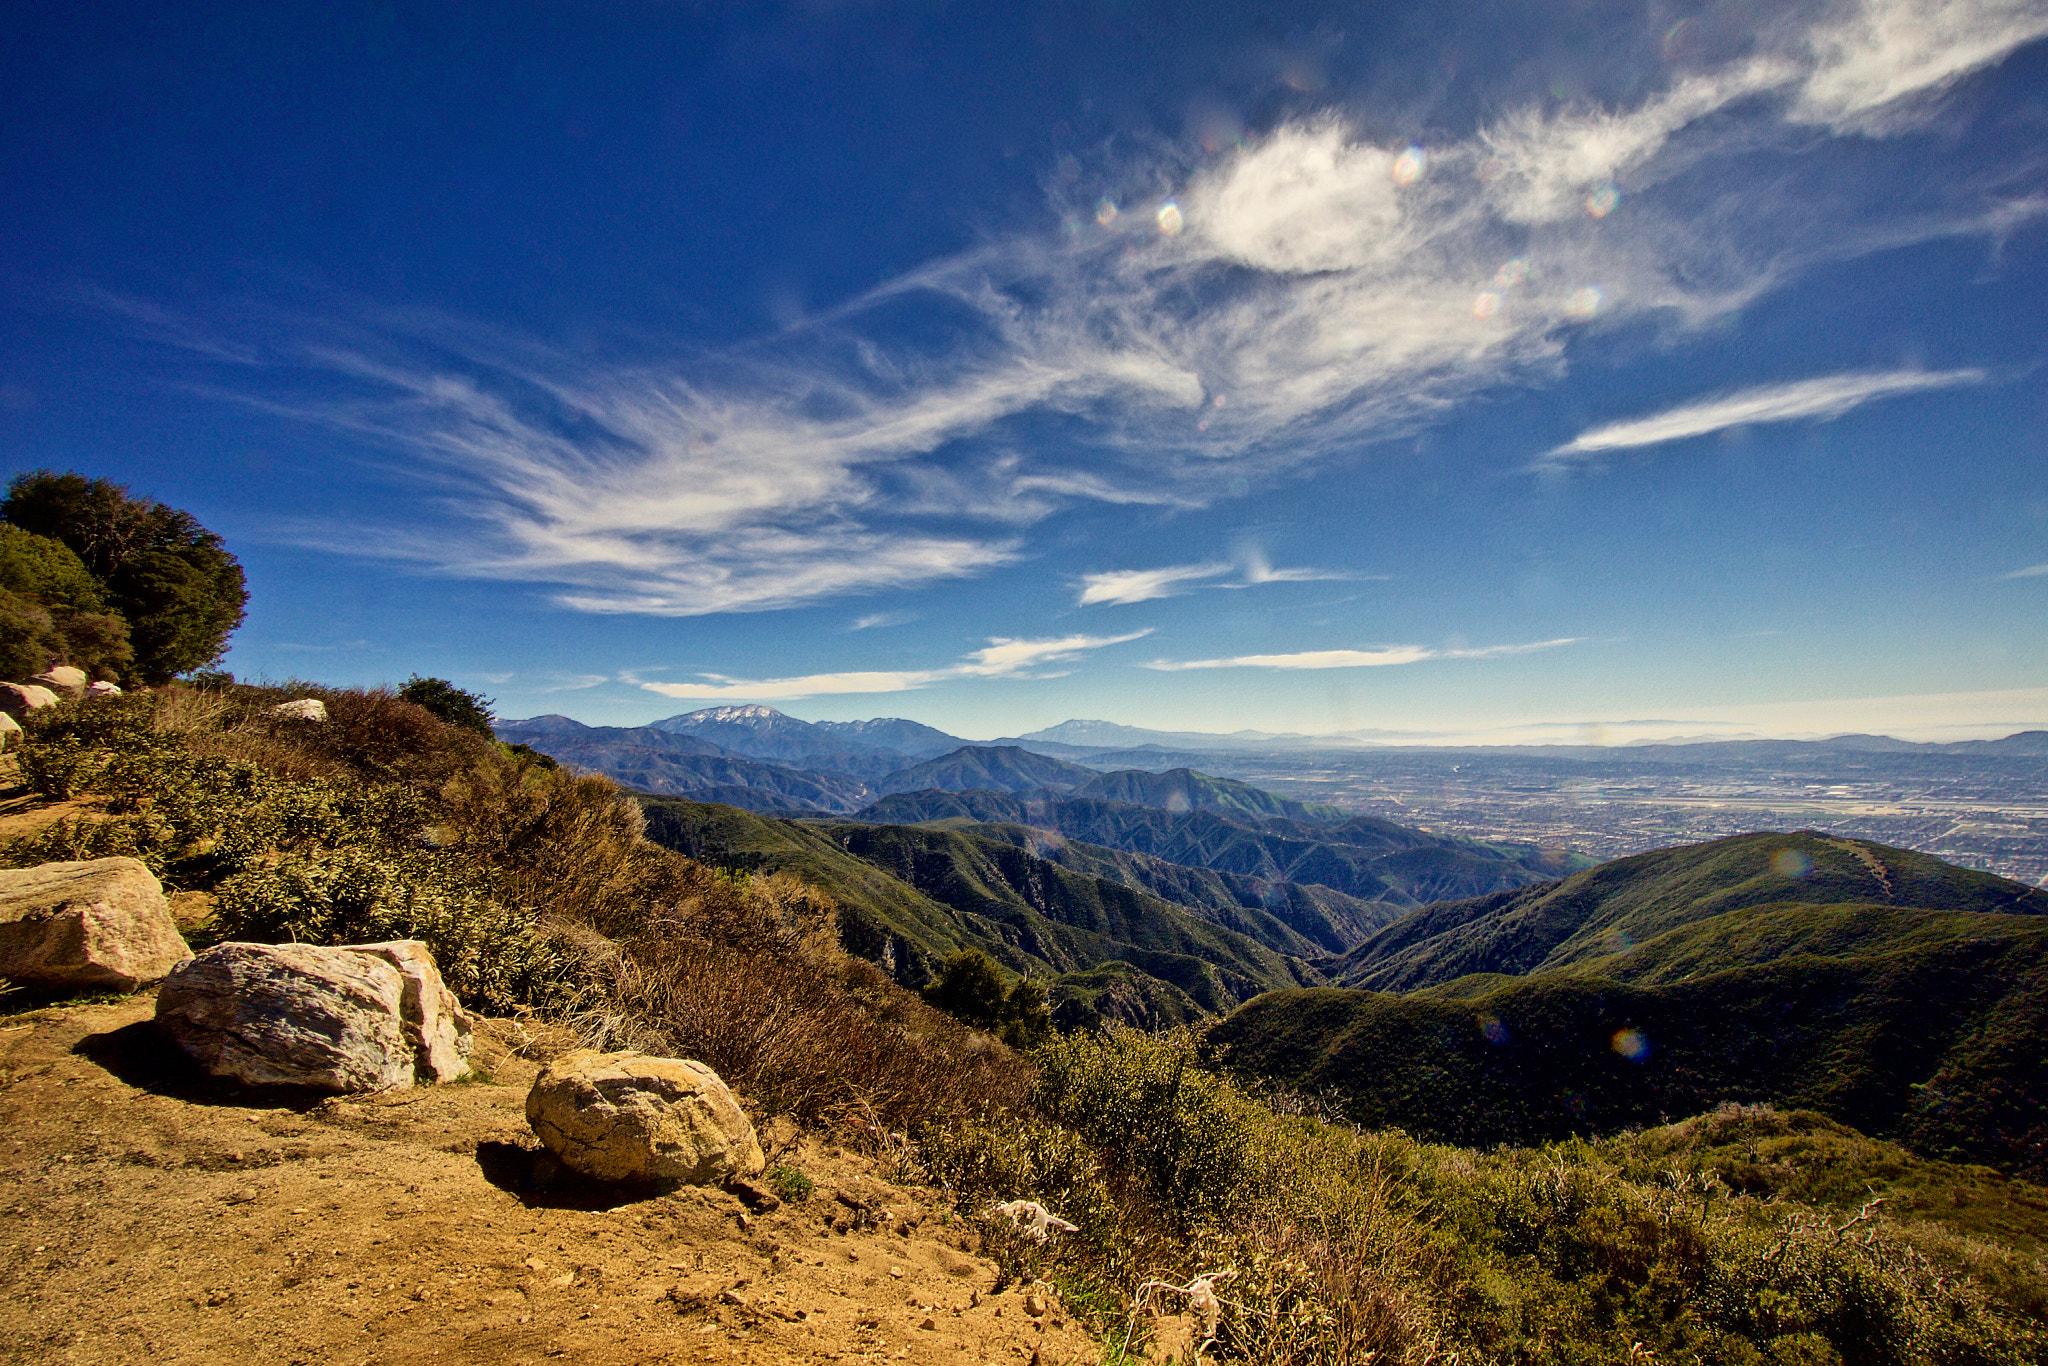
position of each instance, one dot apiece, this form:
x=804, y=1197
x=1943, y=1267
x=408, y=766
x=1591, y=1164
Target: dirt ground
x=146, y=1216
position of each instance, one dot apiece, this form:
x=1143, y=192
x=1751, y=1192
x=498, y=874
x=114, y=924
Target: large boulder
x=290, y=1015
x=63, y=680
x=302, y=709
x=19, y=699
x=364, y=1017
x=633, y=1118
x=435, y=1023
x=9, y=728
x=97, y=923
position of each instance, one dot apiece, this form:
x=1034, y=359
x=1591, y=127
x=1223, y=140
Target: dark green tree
x=456, y=706
x=1026, y=1019
x=53, y=611
x=969, y=987
x=176, y=585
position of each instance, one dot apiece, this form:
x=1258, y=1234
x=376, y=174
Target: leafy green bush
x=456, y=706
x=493, y=956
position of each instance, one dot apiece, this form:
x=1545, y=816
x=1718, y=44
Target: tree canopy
x=140, y=591
x=456, y=706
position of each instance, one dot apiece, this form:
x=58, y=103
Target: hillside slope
x=1925, y=1027
x=1364, y=858
x=909, y=896
x=993, y=768
x=1605, y=909
x=647, y=759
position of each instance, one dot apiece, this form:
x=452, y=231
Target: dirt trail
x=146, y=1218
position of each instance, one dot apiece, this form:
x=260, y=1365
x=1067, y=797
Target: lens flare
x=1512, y=272
x=1496, y=1033
x=1601, y=202
x=1409, y=166
x=1631, y=1044
x=1584, y=302
x=1791, y=863
x=1486, y=305
x=1169, y=219
x=1106, y=211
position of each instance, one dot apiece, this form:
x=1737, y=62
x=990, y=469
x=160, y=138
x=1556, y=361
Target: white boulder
x=63, y=680
x=632, y=1117
x=102, y=688
x=9, y=728
x=96, y=923
x=19, y=699
x=303, y=709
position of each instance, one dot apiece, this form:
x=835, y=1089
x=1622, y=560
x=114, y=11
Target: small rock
x=930, y=1325
x=897, y=1272
x=1034, y=1304
x=102, y=688
x=62, y=679
x=19, y=699
x=755, y=1196
x=302, y=709
x=631, y=1117
x=94, y=923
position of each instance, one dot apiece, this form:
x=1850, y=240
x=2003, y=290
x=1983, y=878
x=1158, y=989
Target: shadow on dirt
x=142, y=1056
x=538, y=1181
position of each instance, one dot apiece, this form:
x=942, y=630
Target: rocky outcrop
x=97, y=923
x=629, y=1117
x=435, y=1023
x=102, y=688
x=303, y=709
x=362, y=1018
x=19, y=699
x=63, y=680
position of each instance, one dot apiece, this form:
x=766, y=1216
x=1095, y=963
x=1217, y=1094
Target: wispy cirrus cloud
x=1809, y=400
x=1143, y=585
x=1000, y=658
x=2032, y=571
x=1205, y=328
x=1381, y=657
x=1123, y=586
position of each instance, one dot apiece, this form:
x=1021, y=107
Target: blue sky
x=1426, y=372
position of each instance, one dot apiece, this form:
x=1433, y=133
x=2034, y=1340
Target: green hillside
x=1294, y=917
x=1184, y=789
x=1365, y=859
x=1922, y=1027
x=909, y=896
x=1605, y=910
x=995, y=768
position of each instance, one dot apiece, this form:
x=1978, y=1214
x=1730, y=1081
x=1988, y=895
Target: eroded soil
x=146, y=1216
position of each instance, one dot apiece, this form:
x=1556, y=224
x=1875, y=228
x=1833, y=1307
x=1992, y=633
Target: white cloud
x=2032, y=571
x=1869, y=66
x=1143, y=585
x=1325, y=291
x=1000, y=658
x=1383, y=657
x=876, y=620
x=1804, y=400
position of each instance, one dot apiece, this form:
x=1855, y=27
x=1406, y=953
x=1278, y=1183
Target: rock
x=291, y=1015
x=19, y=699
x=754, y=1196
x=9, y=728
x=63, y=680
x=98, y=923
x=435, y=1023
x=1034, y=1304
x=102, y=688
x=304, y=709
x=631, y=1117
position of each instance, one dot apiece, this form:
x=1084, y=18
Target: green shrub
x=466, y=710
x=790, y=1185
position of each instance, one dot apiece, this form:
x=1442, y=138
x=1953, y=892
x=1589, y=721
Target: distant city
x=1988, y=812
